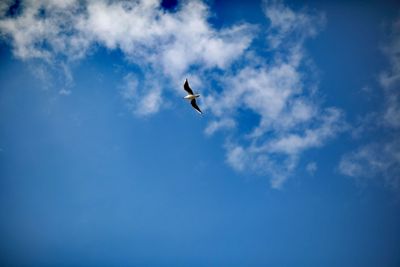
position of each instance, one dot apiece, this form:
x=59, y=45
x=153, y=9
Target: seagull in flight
x=191, y=96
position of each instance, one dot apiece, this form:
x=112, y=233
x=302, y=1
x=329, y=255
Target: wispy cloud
x=390, y=79
x=380, y=159
x=375, y=160
x=280, y=91
x=217, y=125
x=285, y=23
x=311, y=167
x=143, y=97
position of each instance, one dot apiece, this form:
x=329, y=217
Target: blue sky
x=295, y=161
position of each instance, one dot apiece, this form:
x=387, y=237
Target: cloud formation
x=281, y=95
x=162, y=42
x=279, y=91
x=390, y=79
x=142, y=30
x=374, y=160
x=381, y=159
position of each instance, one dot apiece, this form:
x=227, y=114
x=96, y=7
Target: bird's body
x=191, y=96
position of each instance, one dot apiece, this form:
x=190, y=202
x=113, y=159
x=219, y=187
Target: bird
x=191, y=96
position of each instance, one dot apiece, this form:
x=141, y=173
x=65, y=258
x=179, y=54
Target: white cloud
x=5, y=5
x=64, y=92
x=150, y=103
x=141, y=29
x=381, y=160
x=276, y=154
x=294, y=143
x=237, y=157
x=286, y=23
x=44, y=29
x=43, y=74
x=217, y=125
x=143, y=97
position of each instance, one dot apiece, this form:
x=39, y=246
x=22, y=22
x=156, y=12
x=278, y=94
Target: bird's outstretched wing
x=187, y=88
x=195, y=106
